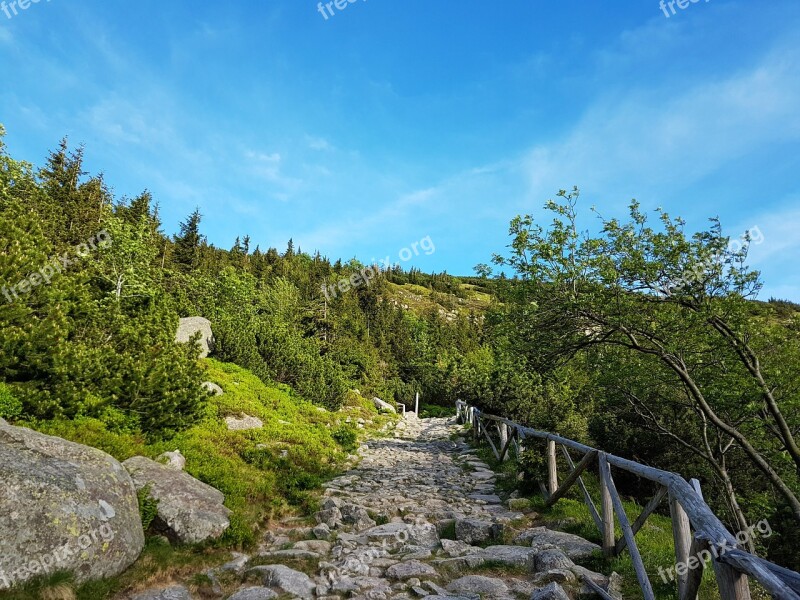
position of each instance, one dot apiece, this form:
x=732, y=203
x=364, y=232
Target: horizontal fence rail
x=696, y=529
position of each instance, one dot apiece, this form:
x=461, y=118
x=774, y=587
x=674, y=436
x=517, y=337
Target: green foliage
x=347, y=438
x=148, y=506
x=656, y=328
x=10, y=407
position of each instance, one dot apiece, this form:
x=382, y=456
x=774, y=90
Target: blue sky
x=393, y=120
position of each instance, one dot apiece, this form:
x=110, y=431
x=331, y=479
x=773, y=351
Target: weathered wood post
x=607, y=510
x=552, y=468
x=732, y=584
x=682, y=535
x=503, y=428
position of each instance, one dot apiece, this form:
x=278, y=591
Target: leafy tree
x=680, y=303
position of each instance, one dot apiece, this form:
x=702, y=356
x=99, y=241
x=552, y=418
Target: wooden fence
x=696, y=529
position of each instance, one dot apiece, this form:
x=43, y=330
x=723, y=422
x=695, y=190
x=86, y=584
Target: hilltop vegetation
x=601, y=338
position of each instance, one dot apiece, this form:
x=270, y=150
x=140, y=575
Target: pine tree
x=186, y=254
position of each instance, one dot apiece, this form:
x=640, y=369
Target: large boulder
x=189, y=511
x=192, y=325
x=383, y=406
x=63, y=507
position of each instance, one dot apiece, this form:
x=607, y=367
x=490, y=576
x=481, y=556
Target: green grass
x=265, y=473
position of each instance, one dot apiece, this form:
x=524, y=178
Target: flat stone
x=477, y=584
x=285, y=580
x=254, y=593
x=575, y=547
x=512, y=556
x=243, y=423
x=457, y=548
x=177, y=592
x=410, y=569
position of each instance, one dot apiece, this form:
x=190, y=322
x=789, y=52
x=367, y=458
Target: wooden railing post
x=606, y=511
x=503, y=440
x=552, y=468
x=690, y=512
x=732, y=584
x=682, y=534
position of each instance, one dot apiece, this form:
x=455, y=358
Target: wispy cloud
x=654, y=139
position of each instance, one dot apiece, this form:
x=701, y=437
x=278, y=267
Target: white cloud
x=651, y=139
x=319, y=143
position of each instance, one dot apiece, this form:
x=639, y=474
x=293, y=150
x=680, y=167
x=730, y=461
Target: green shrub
x=346, y=437
x=10, y=407
x=148, y=506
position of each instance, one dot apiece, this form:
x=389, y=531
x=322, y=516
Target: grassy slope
x=263, y=473
x=420, y=299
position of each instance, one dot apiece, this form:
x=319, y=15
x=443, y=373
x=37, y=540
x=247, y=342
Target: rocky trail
x=419, y=516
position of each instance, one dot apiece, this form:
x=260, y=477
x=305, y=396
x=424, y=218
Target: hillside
x=267, y=473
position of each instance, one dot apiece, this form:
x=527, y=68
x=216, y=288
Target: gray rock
x=573, y=546
x=237, y=565
x=409, y=570
x=293, y=553
x=552, y=558
x=243, y=423
x=512, y=556
x=552, y=591
x=330, y=517
x=477, y=584
x=174, y=460
x=560, y=576
x=395, y=535
x=475, y=531
x=176, y=592
x=254, y=593
x=317, y=546
x=212, y=388
x=191, y=325
x=356, y=516
x=383, y=406
x=189, y=511
x=455, y=548
x=63, y=507
x=322, y=532
x=285, y=580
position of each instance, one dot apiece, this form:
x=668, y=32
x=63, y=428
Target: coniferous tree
x=186, y=253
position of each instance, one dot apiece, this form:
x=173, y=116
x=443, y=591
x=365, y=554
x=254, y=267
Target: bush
x=346, y=437
x=10, y=407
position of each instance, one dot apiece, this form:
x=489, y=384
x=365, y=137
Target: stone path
x=418, y=517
